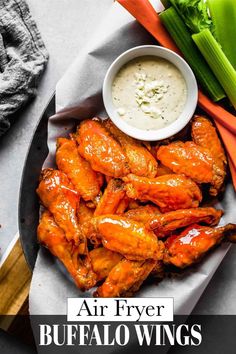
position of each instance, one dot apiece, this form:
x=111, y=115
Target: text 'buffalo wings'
x=118, y=211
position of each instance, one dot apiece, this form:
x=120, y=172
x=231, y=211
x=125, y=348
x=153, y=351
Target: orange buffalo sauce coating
x=169, y=192
x=101, y=150
x=78, y=170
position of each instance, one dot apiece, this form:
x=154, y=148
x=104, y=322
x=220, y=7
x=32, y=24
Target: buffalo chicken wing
x=204, y=134
x=125, y=278
x=194, y=242
x=58, y=195
x=53, y=237
x=164, y=224
x=169, y=192
x=189, y=159
x=140, y=160
x=101, y=150
x=128, y=237
x=78, y=170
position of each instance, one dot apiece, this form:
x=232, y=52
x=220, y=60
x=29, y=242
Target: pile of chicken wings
x=118, y=210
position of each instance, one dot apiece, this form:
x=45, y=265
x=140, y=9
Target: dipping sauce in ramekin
x=149, y=92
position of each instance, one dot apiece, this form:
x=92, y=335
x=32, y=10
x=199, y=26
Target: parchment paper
x=78, y=95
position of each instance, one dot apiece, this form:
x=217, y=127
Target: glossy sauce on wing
x=100, y=149
x=189, y=159
x=128, y=237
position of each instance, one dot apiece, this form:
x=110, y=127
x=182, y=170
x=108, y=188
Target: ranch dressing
x=149, y=93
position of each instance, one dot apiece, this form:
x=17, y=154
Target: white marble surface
x=61, y=25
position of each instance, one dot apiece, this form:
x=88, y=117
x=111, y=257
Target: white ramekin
x=191, y=101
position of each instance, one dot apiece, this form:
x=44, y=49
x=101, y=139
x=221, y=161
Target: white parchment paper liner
x=78, y=94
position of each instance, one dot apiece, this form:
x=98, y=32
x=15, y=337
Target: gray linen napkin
x=23, y=57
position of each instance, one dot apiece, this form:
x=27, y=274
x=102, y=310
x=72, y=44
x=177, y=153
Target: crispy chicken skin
x=189, y=159
x=78, y=170
x=140, y=160
x=204, y=134
x=111, y=197
x=125, y=278
x=103, y=260
x=100, y=149
x=53, y=237
x=194, y=242
x=128, y=237
x=164, y=224
x=57, y=194
x=169, y=192
x=143, y=213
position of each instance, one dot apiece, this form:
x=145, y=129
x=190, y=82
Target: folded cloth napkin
x=23, y=57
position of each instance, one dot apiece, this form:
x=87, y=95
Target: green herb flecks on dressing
x=149, y=93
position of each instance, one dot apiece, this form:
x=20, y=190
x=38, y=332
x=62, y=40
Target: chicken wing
x=193, y=243
x=111, y=198
x=128, y=237
x=53, y=237
x=189, y=159
x=164, y=224
x=169, y=192
x=103, y=260
x=142, y=213
x=79, y=171
x=127, y=276
x=140, y=160
x=204, y=134
x=57, y=194
x=100, y=149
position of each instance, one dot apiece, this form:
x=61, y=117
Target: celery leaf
x=194, y=13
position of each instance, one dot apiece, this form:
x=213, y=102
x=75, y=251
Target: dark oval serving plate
x=28, y=211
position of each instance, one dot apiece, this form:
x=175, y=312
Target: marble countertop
x=61, y=25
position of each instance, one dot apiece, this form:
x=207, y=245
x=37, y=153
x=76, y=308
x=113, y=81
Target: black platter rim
x=28, y=207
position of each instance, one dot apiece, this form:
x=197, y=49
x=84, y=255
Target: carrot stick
x=229, y=141
x=145, y=14
x=217, y=112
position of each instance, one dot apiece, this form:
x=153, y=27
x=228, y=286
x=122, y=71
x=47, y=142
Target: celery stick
x=223, y=14
x=180, y=34
x=218, y=62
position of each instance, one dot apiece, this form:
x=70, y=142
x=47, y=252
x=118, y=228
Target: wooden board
x=15, y=278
